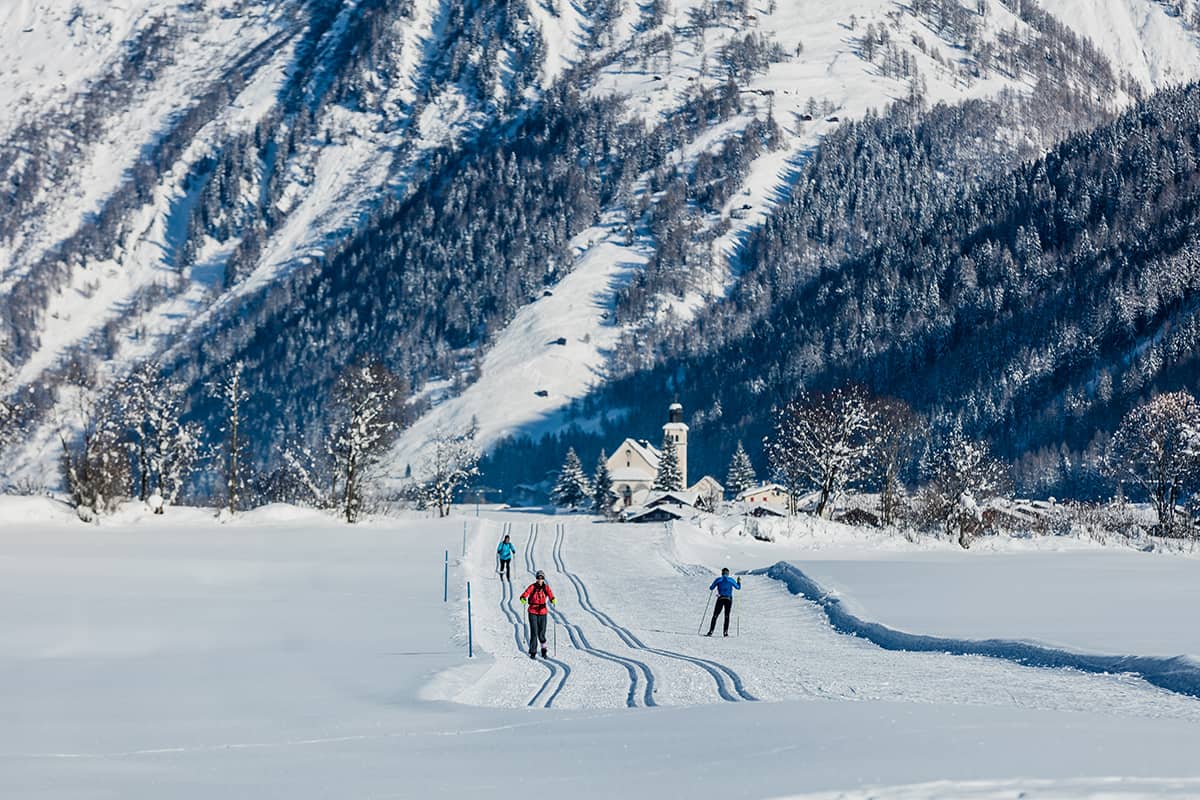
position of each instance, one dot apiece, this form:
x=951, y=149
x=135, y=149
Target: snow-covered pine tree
x=669, y=477
x=603, y=495
x=740, y=476
x=572, y=489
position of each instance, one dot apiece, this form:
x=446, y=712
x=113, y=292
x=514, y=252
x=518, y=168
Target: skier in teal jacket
x=724, y=586
x=505, y=553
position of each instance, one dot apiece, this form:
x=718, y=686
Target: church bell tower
x=677, y=431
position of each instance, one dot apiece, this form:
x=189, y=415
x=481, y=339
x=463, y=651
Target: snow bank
x=1178, y=674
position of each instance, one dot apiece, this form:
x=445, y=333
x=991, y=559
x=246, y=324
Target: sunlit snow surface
x=284, y=654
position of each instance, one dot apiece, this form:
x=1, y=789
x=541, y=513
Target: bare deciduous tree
x=963, y=477
x=93, y=462
x=451, y=460
x=1157, y=447
x=368, y=409
x=231, y=391
x=898, y=432
x=822, y=442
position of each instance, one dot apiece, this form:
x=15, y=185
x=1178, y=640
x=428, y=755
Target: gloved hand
x=553, y=601
x=522, y=601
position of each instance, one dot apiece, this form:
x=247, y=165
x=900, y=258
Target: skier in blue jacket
x=505, y=553
x=724, y=586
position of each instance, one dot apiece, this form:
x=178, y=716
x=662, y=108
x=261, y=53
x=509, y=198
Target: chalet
x=708, y=493
x=682, y=499
x=770, y=495
x=657, y=514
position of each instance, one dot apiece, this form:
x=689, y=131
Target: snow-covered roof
x=639, y=514
x=678, y=498
x=708, y=482
x=772, y=488
x=643, y=448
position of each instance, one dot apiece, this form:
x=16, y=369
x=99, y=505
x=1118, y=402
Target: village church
x=634, y=464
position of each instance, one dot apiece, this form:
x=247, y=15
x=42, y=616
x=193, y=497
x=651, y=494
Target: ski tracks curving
x=729, y=684
x=559, y=670
x=580, y=641
x=641, y=677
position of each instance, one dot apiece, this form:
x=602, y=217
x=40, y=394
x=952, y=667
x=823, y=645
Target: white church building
x=634, y=464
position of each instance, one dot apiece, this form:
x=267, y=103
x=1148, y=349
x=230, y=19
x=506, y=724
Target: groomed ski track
x=722, y=675
x=580, y=642
x=629, y=610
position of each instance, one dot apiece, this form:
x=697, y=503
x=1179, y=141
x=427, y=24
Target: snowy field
x=287, y=655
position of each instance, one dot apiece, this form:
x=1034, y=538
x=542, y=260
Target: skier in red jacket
x=537, y=595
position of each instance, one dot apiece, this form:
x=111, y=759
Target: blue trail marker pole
x=446, y=579
x=470, y=632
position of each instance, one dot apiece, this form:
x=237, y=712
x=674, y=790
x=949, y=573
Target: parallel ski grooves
x=580, y=641
x=557, y=668
x=630, y=664
x=506, y=606
x=719, y=672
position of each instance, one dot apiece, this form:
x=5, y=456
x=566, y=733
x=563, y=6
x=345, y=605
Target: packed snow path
x=285, y=654
x=630, y=609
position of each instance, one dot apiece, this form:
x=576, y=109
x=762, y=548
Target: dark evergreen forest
x=1031, y=309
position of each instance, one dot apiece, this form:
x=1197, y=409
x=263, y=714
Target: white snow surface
x=284, y=654
x=1137, y=36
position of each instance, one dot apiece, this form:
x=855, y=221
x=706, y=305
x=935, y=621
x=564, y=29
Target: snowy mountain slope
x=337, y=113
x=1143, y=38
x=1139, y=38
x=349, y=105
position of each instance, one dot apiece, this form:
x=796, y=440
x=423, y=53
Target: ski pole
x=556, y=639
x=705, y=614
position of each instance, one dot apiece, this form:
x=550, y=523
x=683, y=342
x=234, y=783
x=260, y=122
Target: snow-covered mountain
x=197, y=182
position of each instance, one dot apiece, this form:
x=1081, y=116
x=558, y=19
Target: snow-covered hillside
x=1138, y=36
x=172, y=164
x=282, y=653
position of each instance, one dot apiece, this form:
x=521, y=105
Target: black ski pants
x=537, y=631
x=722, y=603
x=506, y=568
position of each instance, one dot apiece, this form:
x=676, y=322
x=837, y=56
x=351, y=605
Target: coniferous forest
x=1031, y=309
x=1015, y=266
